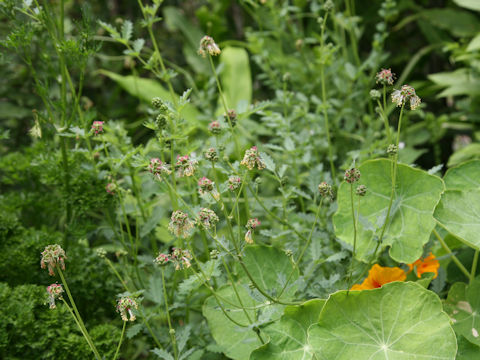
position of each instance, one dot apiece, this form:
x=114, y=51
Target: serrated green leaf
x=138, y=45
x=127, y=28
x=162, y=354
x=133, y=330
x=411, y=216
x=269, y=163
x=400, y=321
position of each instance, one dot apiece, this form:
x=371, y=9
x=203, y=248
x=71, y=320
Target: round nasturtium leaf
x=399, y=321
x=459, y=213
x=463, y=306
x=411, y=216
x=288, y=336
x=463, y=177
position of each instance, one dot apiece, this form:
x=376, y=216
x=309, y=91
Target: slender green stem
x=167, y=311
x=454, y=258
x=354, y=219
x=474, y=267
x=120, y=342
x=79, y=318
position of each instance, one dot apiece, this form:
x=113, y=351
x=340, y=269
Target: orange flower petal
x=379, y=275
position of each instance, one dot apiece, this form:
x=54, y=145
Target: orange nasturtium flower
x=379, y=275
x=429, y=264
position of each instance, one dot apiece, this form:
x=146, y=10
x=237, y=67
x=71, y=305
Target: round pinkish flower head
x=252, y=158
x=215, y=127
x=325, y=190
x=111, y=188
x=180, y=225
x=352, y=175
x=208, y=46
x=211, y=154
x=231, y=117
x=385, y=77
x=234, y=182
x=53, y=256
x=54, y=292
x=97, y=127
x=125, y=306
x=207, y=218
x=185, y=166
x=158, y=168
x=181, y=258
x=252, y=224
x=406, y=95
x=162, y=259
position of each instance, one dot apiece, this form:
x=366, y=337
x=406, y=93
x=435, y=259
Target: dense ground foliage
x=239, y=179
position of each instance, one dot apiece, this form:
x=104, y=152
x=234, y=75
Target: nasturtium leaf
x=235, y=341
x=411, y=216
x=399, y=321
x=463, y=306
x=459, y=213
x=465, y=176
x=270, y=268
x=466, y=350
x=288, y=336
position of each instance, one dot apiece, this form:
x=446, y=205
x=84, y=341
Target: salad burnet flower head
x=207, y=218
x=208, y=46
x=214, y=127
x=352, y=175
x=158, y=168
x=185, y=166
x=207, y=186
x=181, y=258
x=252, y=158
x=252, y=224
x=53, y=256
x=325, y=190
x=406, y=95
x=234, y=182
x=111, y=188
x=125, y=306
x=162, y=259
x=180, y=225
x=385, y=77
x=97, y=127
x=54, y=292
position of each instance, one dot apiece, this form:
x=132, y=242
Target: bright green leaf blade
x=459, y=213
x=235, y=77
x=288, y=337
x=468, y=4
x=270, y=268
x=463, y=177
x=469, y=152
x=399, y=321
x=146, y=89
x=236, y=342
x=411, y=216
x=474, y=44
x=466, y=350
x=463, y=306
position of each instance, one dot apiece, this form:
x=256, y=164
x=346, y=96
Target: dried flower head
x=180, y=225
x=385, y=77
x=111, y=188
x=208, y=46
x=252, y=224
x=158, y=168
x=215, y=127
x=211, y=154
x=162, y=259
x=361, y=190
x=252, y=158
x=234, y=182
x=185, y=166
x=181, y=258
x=207, y=218
x=231, y=117
x=125, y=306
x=97, y=127
x=207, y=186
x=352, y=175
x=53, y=256
x=54, y=292
x=404, y=95
x=325, y=190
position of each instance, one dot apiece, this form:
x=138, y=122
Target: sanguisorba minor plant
x=208, y=237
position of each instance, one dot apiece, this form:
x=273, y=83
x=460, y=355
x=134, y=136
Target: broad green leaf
x=463, y=306
x=235, y=77
x=146, y=89
x=270, y=268
x=399, y=321
x=466, y=350
x=463, y=177
x=235, y=341
x=450, y=78
x=468, y=4
x=411, y=216
x=469, y=152
x=456, y=21
x=288, y=336
x=474, y=44
x=459, y=213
